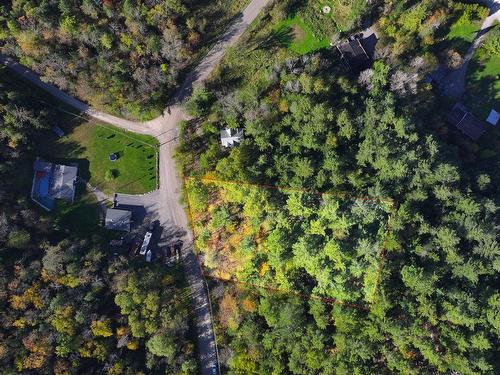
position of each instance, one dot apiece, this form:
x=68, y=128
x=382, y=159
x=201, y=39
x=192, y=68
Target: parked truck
x=145, y=243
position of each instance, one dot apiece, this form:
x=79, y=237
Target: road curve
x=171, y=212
x=454, y=83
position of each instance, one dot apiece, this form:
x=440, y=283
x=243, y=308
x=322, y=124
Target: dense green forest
x=124, y=56
x=311, y=124
x=352, y=231
x=336, y=240
x=66, y=306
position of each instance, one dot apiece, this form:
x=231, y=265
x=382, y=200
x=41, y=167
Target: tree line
x=123, y=56
x=310, y=124
x=66, y=305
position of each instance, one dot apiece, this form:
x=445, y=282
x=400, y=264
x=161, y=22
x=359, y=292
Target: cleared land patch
x=483, y=76
x=322, y=245
x=464, y=28
x=90, y=144
x=298, y=36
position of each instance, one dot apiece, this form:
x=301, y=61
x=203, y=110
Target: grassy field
x=465, y=26
x=90, y=144
x=483, y=77
x=82, y=217
x=299, y=37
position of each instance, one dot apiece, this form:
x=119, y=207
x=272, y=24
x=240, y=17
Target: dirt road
x=170, y=210
x=454, y=83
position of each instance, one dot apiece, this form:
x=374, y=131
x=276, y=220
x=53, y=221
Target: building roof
x=353, y=53
x=63, y=182
x=456, y=115
x=466, y=122
x=229, y=137
x=42, y=166
x=116, y=243
x=53, y=181
x=118, y=219
x=493, y=117
x=58, y=131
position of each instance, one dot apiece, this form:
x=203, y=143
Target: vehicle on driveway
x=145, y=243
x=168, y=254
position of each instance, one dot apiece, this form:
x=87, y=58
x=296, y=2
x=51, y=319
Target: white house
x=229, y=137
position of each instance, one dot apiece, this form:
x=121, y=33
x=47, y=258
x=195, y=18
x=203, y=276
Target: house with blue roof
x=53, y=181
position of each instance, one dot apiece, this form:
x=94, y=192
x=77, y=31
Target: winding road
x=167, y=199
x=454, y=83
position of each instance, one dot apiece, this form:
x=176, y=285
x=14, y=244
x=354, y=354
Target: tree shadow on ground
x=226, y=79
x=282, y=37
x=481, y=93
x=81, y=217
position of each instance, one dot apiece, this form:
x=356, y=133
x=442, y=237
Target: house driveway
x=165, y=203
x=453, y=85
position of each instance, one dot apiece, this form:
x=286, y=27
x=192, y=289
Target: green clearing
x=483, y=77
x=81, y=217
x=90, y=144
x=136, y=167
x=464, y=29
x=298, y=36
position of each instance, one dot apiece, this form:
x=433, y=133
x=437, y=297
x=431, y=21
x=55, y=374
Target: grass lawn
x=463, y=30
x=483, y=77
x=483, y=86
x=90, y=144
x=298, y=36
x=81, y=217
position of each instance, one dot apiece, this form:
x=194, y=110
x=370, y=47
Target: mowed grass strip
x=89, y=144
x=134, y=171
x=483, y=76
x=299, y=38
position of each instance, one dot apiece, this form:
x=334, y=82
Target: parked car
x=145, y=243
x=167, y=255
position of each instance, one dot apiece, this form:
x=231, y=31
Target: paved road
x=454, y=83
x=166, y=200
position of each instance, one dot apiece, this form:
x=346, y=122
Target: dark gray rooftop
x=118, y=219
x=353, y=54
x=466, y=122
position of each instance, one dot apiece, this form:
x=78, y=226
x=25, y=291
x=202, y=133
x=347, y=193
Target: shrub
x=110, y=174
x=19, y=239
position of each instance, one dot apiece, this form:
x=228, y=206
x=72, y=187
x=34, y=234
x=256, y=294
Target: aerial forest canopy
x=124, y=56
x=312, y=126
x=351, y=230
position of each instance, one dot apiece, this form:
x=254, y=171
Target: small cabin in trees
x=466, y=122
x=230, y=137
x=353, y=54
